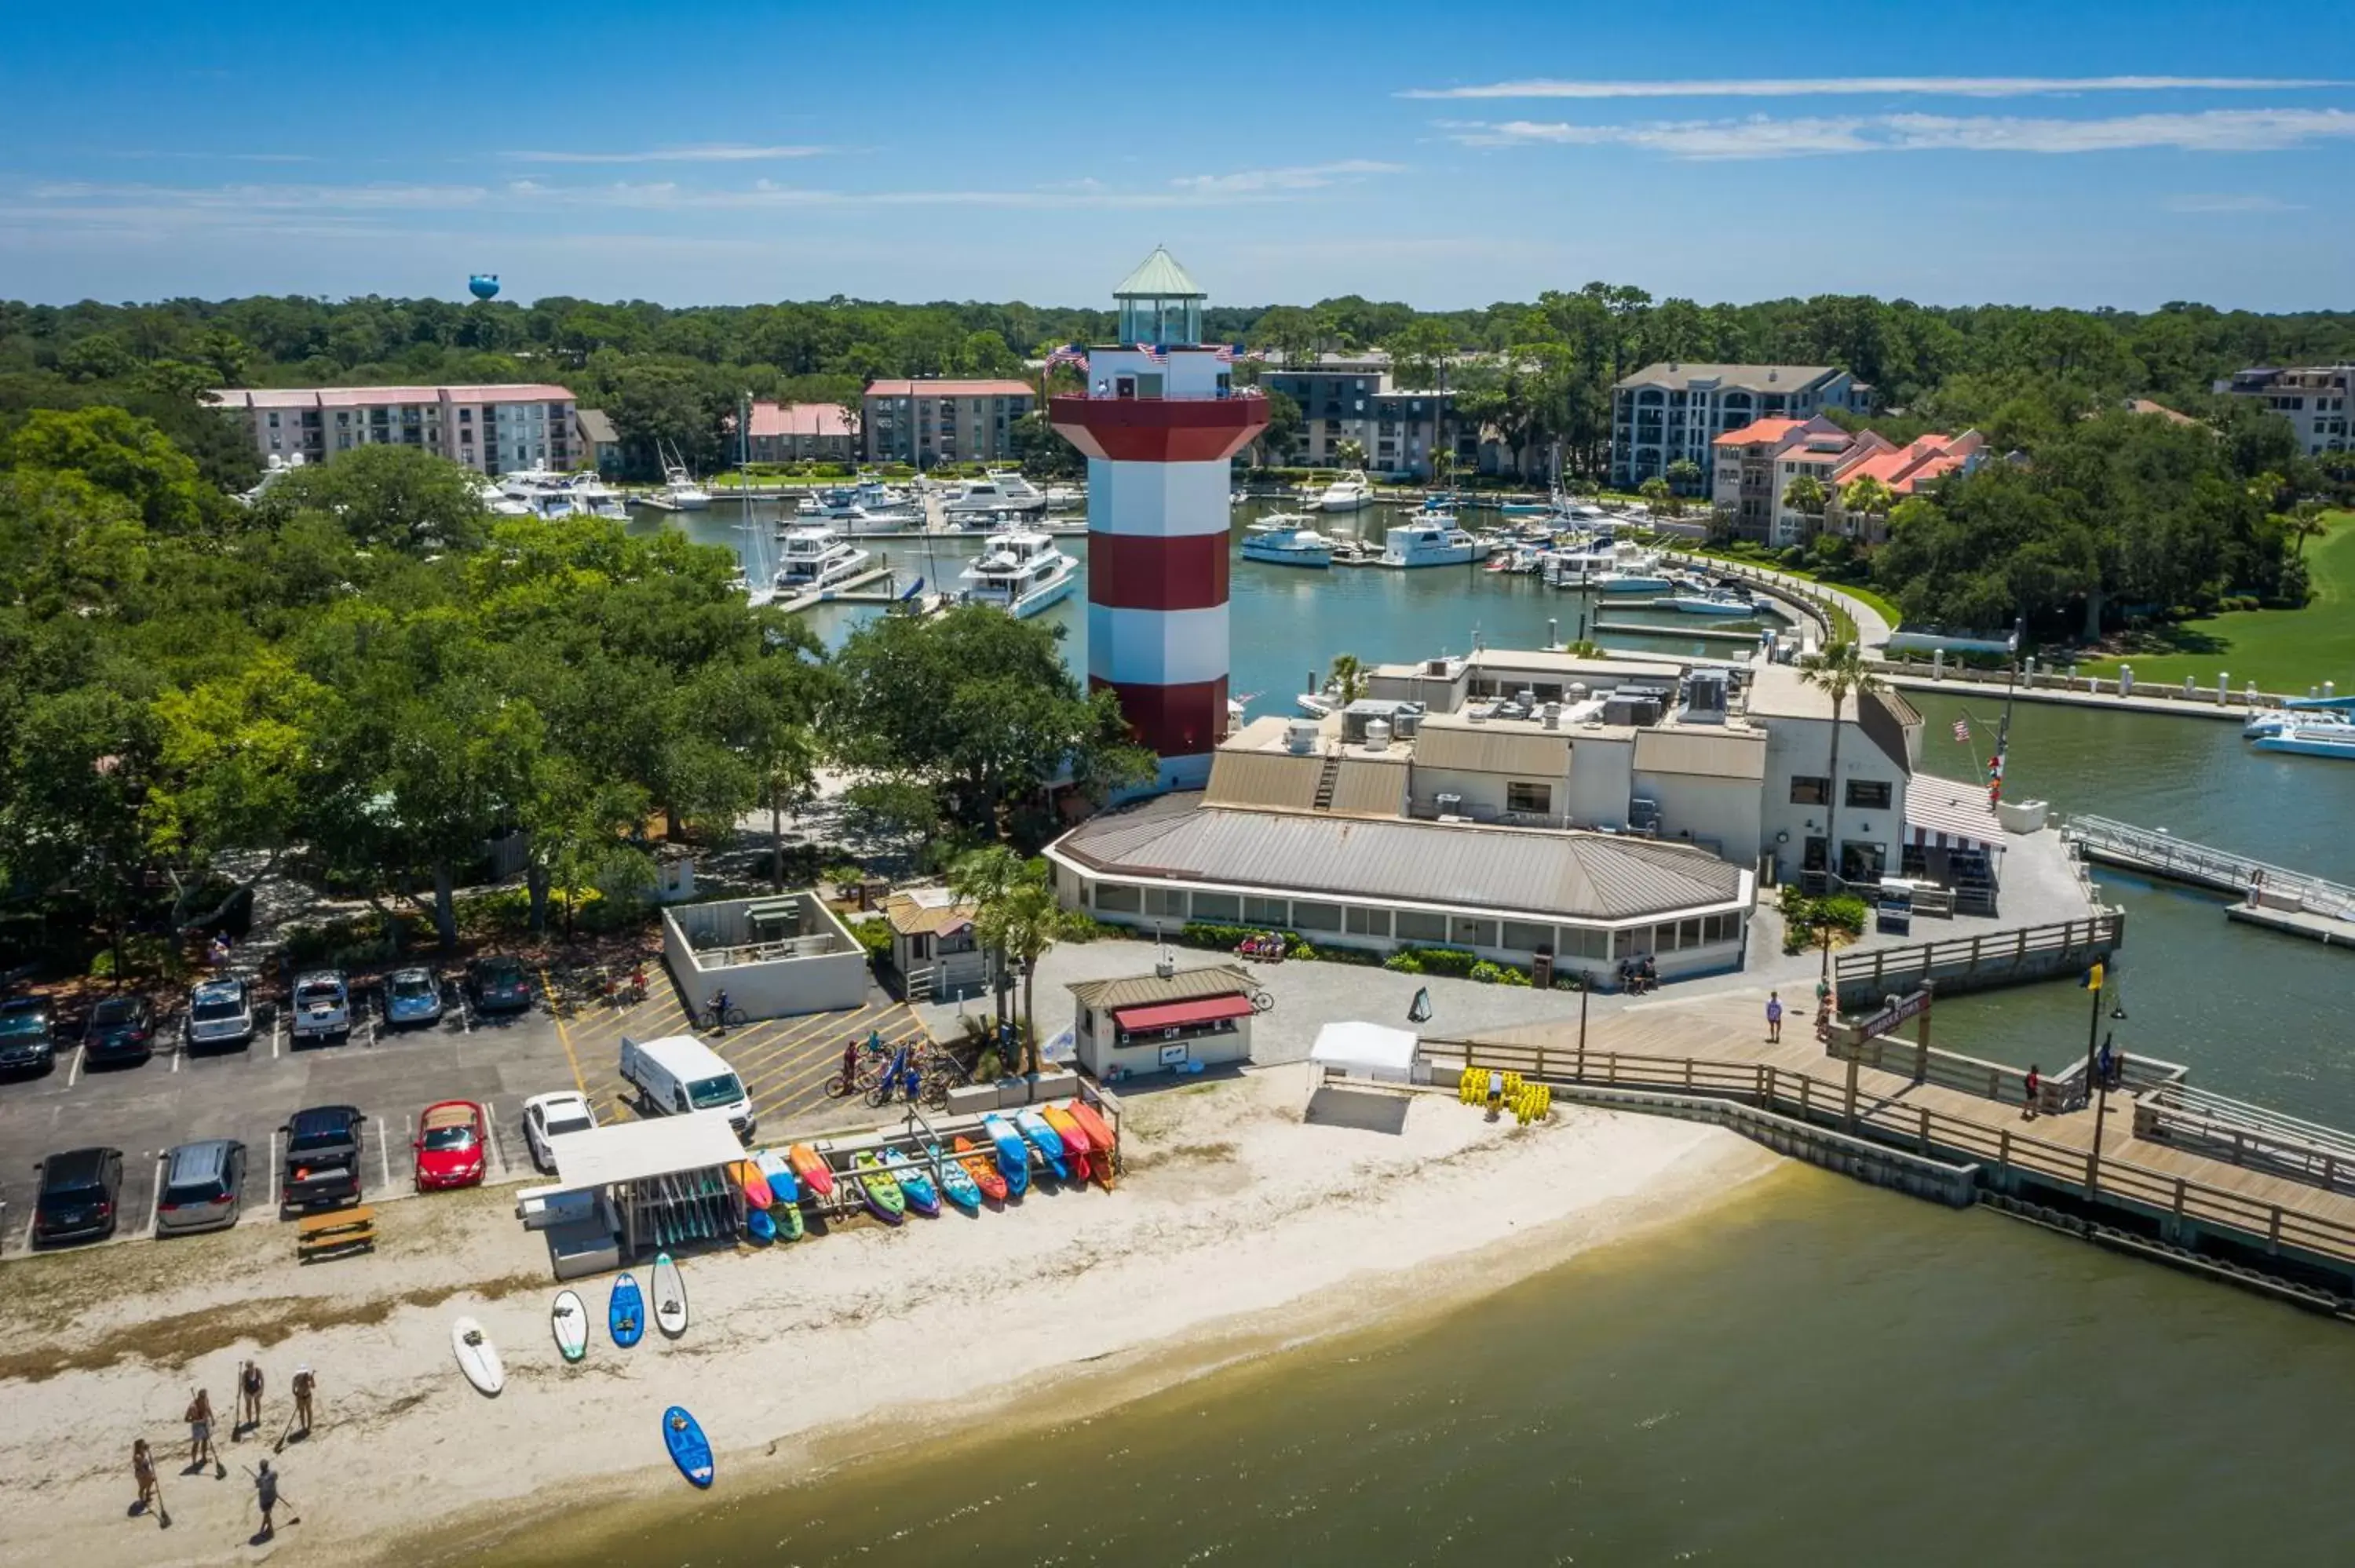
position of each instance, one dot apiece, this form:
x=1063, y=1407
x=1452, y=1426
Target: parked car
x=79, y=1190
x=323, y=1006
x=497, y=983
x=411, y=996
x=549, y=1116
x=323, y=1157
x=204, y=1187
x=220, y=1012
x=121, y=1029
x=26, y=1044
x=449, y=1144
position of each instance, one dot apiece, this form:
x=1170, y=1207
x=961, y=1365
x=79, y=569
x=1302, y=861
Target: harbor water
x=1816, y=1372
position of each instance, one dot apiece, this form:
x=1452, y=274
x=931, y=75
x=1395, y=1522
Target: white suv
x=322, y=1006
x=220, y=1012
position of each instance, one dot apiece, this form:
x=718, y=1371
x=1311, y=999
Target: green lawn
x=2280, y=649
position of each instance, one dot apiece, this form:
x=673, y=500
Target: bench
x=335, y=1234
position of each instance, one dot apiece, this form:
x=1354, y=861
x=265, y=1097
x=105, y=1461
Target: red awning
x=1169, y=1014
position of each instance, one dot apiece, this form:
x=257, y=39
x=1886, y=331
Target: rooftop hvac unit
x=1435, y=667
x=1451, y=805
x=1644, y=814
x=1378, y=735
x=1407, y=723
x=1705, y=696
x=1300, y=736
x=1553, y=716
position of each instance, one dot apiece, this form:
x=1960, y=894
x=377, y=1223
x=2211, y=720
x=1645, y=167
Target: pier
x=1702, y=633
x=2273, y=896
x=2150, y=1166
x=1957, y=964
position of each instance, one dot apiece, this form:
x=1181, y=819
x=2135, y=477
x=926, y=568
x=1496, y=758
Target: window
x=1868, y=792
x=1266, y=912
x=1118, y=897
x=1809, y=791
x=1522, y=937
x=1309, y=917
x=1368, y=922
x=1416, y=926
x=1536, y=799
x=1170, y=902
x=1474, y=933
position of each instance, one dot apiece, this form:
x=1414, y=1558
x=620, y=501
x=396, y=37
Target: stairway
x=1326, y=782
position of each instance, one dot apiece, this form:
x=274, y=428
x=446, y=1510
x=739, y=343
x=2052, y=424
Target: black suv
x=121, y=1028
x=26, y=1044
x=497, y=984
x=323, y=1157
x=79, y=1190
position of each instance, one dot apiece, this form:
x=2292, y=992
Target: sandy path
x=1236, y=1226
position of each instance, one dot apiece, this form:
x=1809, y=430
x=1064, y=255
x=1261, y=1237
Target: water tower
x=484, y=285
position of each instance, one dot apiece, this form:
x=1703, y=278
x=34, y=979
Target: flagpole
x=2003, y=730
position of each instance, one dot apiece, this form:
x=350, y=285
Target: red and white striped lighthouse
x=1159, y=421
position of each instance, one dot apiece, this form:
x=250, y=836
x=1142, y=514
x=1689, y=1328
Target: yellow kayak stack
x=1528, y=1102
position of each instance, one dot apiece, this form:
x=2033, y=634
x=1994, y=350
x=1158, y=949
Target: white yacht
x=680, y=492
x=872, y=504
x=1606, y=568
x=815, y=556
x=592, y=497
x=1063, y=497
x=1349, y=492
x=496, y=501
x=1430, y=545
x=1020, y=572
x=1284, y=539
x=280, y=467
x=545, y=493
x=998, y=493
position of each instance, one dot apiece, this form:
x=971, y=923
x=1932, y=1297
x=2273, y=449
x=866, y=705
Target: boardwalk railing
x=2191, y=695
x=2247, y=1135
x=1922, y=1129
x=1957, y=961
x=2164, y=854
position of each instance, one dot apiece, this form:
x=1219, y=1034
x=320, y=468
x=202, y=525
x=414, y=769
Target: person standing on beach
x=248, y=1399
x=265, y=1493
x=2035, y=1084
x=143, y=1470
x=305, y=1384
x=200, y=1433
x=1773, y=1017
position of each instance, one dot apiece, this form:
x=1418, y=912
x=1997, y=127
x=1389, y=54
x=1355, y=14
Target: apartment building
x=927, y=422
x=2317, y=399
x=1672, y=412
x=492, y=429
x=1752, y=469
x=1353, y=397
x=795, y=432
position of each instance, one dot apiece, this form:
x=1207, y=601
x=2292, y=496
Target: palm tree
x=1805, y=494
x=1347, y=679
x=1686, y=475
x=1351, y=453
x=1839, y=671
x=2303, y=523
x=1023, y=923
x=982, y=878
x=1862, y=499
x=1655, y=491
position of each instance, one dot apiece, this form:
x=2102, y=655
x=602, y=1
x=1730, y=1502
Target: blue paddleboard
x=758, y=1225
x=625, y=1312
x=689, y=1450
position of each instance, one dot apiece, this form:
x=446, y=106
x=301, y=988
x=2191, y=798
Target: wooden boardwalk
x=1717, y=1044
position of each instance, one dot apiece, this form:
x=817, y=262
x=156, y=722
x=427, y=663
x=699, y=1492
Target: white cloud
x=1297, y=177
x=708, y=152
x=2221, y=201
x=1820, y=86
x=283, y=198
x=1762, y=136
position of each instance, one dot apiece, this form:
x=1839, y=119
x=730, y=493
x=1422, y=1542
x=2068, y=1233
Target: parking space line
x=179, y=1055
x=26, y=1244
x=155, y=1200
x=276, y=1167
x=491, y=1126
x=277, y=1026
x=384, y=1149
x=564, y=1036
x=74, y=1076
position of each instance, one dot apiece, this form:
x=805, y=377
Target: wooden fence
x=1968, y=963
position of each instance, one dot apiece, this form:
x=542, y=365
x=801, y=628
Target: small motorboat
x=1013, y=1155
x=1043, y=1137
x=957, y=1184
x=914, y=1183
x=978, y=1165
x=1076, y=1147
x=884, y=1199
x=1708, y=603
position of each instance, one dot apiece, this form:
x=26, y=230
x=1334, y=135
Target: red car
x=451, y=1137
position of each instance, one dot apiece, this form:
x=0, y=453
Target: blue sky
x=2072, y=152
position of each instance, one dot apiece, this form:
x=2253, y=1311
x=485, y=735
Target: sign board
x=1899, y=1011
x=1173, y=1055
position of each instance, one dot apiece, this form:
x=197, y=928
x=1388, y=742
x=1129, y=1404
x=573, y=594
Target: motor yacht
x=1430, y=545
x=815, y=556
x=1021, y=572
x=998, y=493
x=1284, y=539
x=1351, y=493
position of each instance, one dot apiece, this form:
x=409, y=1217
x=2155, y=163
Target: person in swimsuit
x=248, y=1397
x=200, y=1433
x=143, y=1470
x=303, y=1385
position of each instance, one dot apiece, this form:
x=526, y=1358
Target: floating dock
x=2273, y=896
x=1703, y=630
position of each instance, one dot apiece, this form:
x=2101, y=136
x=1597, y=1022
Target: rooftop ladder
x=1327, y=780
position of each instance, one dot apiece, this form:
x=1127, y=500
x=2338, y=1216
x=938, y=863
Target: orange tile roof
x=1759, y=431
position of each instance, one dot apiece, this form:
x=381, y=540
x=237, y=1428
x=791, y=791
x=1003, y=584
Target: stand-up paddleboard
x=1044, y=1139
x=811, y=1167
x=670, y=1297
x=1076, y=1147
x=477, y=1357
x=689, y=1449
x=884, y=1199
x=915, y=1182
x=981, y=1167
x=784, y=1185
x=568, y=1320
x=957, y=1184
x=747, y=1175
x=760, y=1226
x=1013, y=1155
x=625, y=1312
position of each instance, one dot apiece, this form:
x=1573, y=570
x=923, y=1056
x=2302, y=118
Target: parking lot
x=249, y=1094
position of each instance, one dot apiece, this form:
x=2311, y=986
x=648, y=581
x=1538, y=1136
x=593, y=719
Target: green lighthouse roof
x=1158, y=277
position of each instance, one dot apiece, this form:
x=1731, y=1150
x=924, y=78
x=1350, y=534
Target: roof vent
x=1378, y=735
x=1300, y=736
x=1774, y=376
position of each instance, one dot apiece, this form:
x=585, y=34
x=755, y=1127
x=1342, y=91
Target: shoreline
x=1243, y=1230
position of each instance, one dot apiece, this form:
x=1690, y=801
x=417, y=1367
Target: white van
x=679, y=1074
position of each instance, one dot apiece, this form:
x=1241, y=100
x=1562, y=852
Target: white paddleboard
x=569, y=1321
x=670, y=1297
x=477, y=1357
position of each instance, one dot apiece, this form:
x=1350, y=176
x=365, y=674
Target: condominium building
x=1753, y=468
x=792, y=432
x=2317, y=399
x=1353, y=397
x=1672, y=412
x=492, y=429
x=926, y=422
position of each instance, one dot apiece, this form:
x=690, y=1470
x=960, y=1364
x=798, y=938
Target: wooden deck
x=1717, y=1044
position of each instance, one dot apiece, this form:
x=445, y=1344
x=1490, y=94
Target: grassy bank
x=2280, y=649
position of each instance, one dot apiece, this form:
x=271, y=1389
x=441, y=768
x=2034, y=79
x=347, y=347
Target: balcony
x=1159, y=430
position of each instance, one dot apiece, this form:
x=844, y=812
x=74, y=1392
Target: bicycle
x=862, y=1063
x=709, y=1018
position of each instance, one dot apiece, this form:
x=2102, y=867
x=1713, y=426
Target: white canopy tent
x=1368, y=1050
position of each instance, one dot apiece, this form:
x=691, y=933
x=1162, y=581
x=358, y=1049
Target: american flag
x=1226, y=352
x=1069, y=354
x=1962, y=730
x=1154, y=352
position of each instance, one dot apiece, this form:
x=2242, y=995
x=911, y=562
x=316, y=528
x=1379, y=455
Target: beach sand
x=1242, y=1227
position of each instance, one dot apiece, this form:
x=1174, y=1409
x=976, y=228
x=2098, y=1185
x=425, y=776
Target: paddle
x=163, y=1514
x=280, y=1447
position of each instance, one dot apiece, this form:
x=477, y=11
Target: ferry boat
x=996, y=494
x=1284, y=539
x=815, y=556
x=1430, y=545
x=1020, y=572
x=1351, y=493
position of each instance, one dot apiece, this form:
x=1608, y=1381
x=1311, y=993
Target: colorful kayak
x=689, y=1449
x=915, y=1182
x=1013, y=1155
x=747, y=1175
x=1076, y=1147
x=788, y=1219
x=957, y=1184
x=884, y=1199
x=760, y=1226
x=1045, y=1139
x=979, y=1166
x=811, y=1167
x=625, y=1312
x=568, y=1320
x=1098, y=1131
x=784, y=1185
